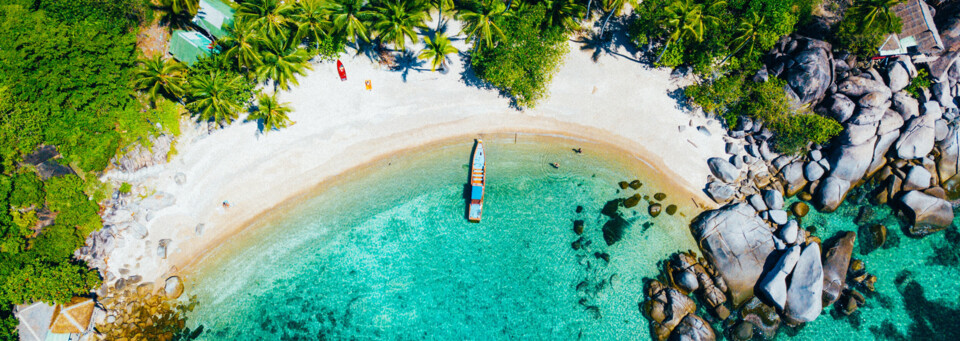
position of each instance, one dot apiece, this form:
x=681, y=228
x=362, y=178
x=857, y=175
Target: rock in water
x=693, y=328
x=800, y=209
x=632, y=201
x=654, y=209
x=835, y=263
x=738, y=242
x=927, y=213
x=660, y=196
x=721, y=192
x=773, y=286
x=624, y=184
x=578, y=227
x=723, y=170
x=873, y=237
x=173, y=287
x=635, y=184
x=761, y=316
x=804, y=297
x=671, y=209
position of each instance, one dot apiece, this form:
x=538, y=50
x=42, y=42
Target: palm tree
x=747, y=33
x=348, y=18
x=614, y=7
x=441, y=5
x=686, y=19
x=242, y=44
x=268, y=15
x=160, y=76
x=181, y=7
x=873, y=12
x=213, y=96
x=282, y=62
x=563, y=13
x=437, y=51
x=395, y=20
x=271, y=112
x=311, y=21
x=480, y=24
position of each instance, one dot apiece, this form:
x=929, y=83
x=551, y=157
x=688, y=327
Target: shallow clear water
x=387, y=254
x=917, y=295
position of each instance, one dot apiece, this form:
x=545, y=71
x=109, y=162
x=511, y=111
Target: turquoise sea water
x=918, y=280
x=386, y=253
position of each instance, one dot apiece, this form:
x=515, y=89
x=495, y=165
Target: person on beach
x=226, y=204
x=555, y=165
x=578, y=150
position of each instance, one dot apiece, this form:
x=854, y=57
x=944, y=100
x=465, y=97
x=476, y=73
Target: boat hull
x=478, y=182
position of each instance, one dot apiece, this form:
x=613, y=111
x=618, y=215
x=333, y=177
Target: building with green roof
x=189, y=46
x=214, y=16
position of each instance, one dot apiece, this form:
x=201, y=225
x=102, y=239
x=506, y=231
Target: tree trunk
x=509, y=3
x=589, y=4
x=735, y=52
x=605, y=21
x=439, y=20
x=665, y=47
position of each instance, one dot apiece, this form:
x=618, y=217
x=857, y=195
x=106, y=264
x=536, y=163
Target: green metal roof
x=214, y=16
x=188, y=46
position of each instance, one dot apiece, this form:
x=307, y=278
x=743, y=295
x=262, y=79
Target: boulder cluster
x=672, y=312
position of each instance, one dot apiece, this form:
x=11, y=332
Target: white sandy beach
x=340, y=125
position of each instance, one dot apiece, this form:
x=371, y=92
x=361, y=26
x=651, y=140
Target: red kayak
x=341, y=71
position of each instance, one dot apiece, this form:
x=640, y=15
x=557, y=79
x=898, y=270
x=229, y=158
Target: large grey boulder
x=917, y=138
x=723, y=170
x=804, y=297
x=917, y=178
x=851, y=162
x=948, y=163
x=773, y=286
x=778, y=217
x=856, y=86
x=792, y=174
x=756, y=201
x=830, y=193
x=857, y=134
x=841, y=107
x=884, y=142
x=904, y=104
x=809, y=70
x=738, y=242
x=813, y=171
x=836, y=260
x=890, y=121
x=898, y=77
x=720, y=192
x=773, y=199
x=927, y=213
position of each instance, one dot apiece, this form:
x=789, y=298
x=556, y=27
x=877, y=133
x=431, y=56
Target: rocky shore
x=771, y=271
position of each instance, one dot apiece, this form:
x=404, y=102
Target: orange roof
x=73, y=317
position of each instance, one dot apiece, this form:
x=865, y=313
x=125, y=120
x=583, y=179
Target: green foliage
x=216, y=96
x=918, y=83
x=25, y=280
x=65, y=196
x=482, y=21
x=436, y=50
x=733, y=97
x=524, y=61
x=27, y=190
x=125, y=188
x=714, y=30
x=271, y=112
x=395, y=20
x=865, y=25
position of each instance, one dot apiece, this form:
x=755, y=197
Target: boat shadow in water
x=466, y=198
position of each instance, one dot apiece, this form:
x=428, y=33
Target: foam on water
x=387, y=253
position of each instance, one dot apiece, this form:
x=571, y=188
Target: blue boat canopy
x=476, y=193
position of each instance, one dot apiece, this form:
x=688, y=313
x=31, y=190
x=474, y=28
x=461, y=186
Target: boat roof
x=476, y=192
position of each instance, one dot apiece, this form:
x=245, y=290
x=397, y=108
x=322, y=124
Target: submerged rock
x=836, y=261
x=761, y=316
x=693, y=328
x=635, y=184
x=671, y=209
x=927, y=213
x=654, y=209
x=738, y=242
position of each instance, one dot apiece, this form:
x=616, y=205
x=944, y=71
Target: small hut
x=42, y=322
x=215, y=17
x=72, y=317
x=918, y=33
x=189, y=46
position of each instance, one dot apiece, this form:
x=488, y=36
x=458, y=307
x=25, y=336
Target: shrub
x=918, y=83
x=125, y=188
x=27, y=190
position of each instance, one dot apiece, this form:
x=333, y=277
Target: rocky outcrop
x=806, y=287
x=738, y=244
x=918, y=137
x=836, y=260
x=723, y=170
x=773, y=286
x=667, y=308
x=807, y=66
x=693, y=328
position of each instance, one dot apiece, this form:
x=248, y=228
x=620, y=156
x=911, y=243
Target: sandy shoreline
x=341, y=126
